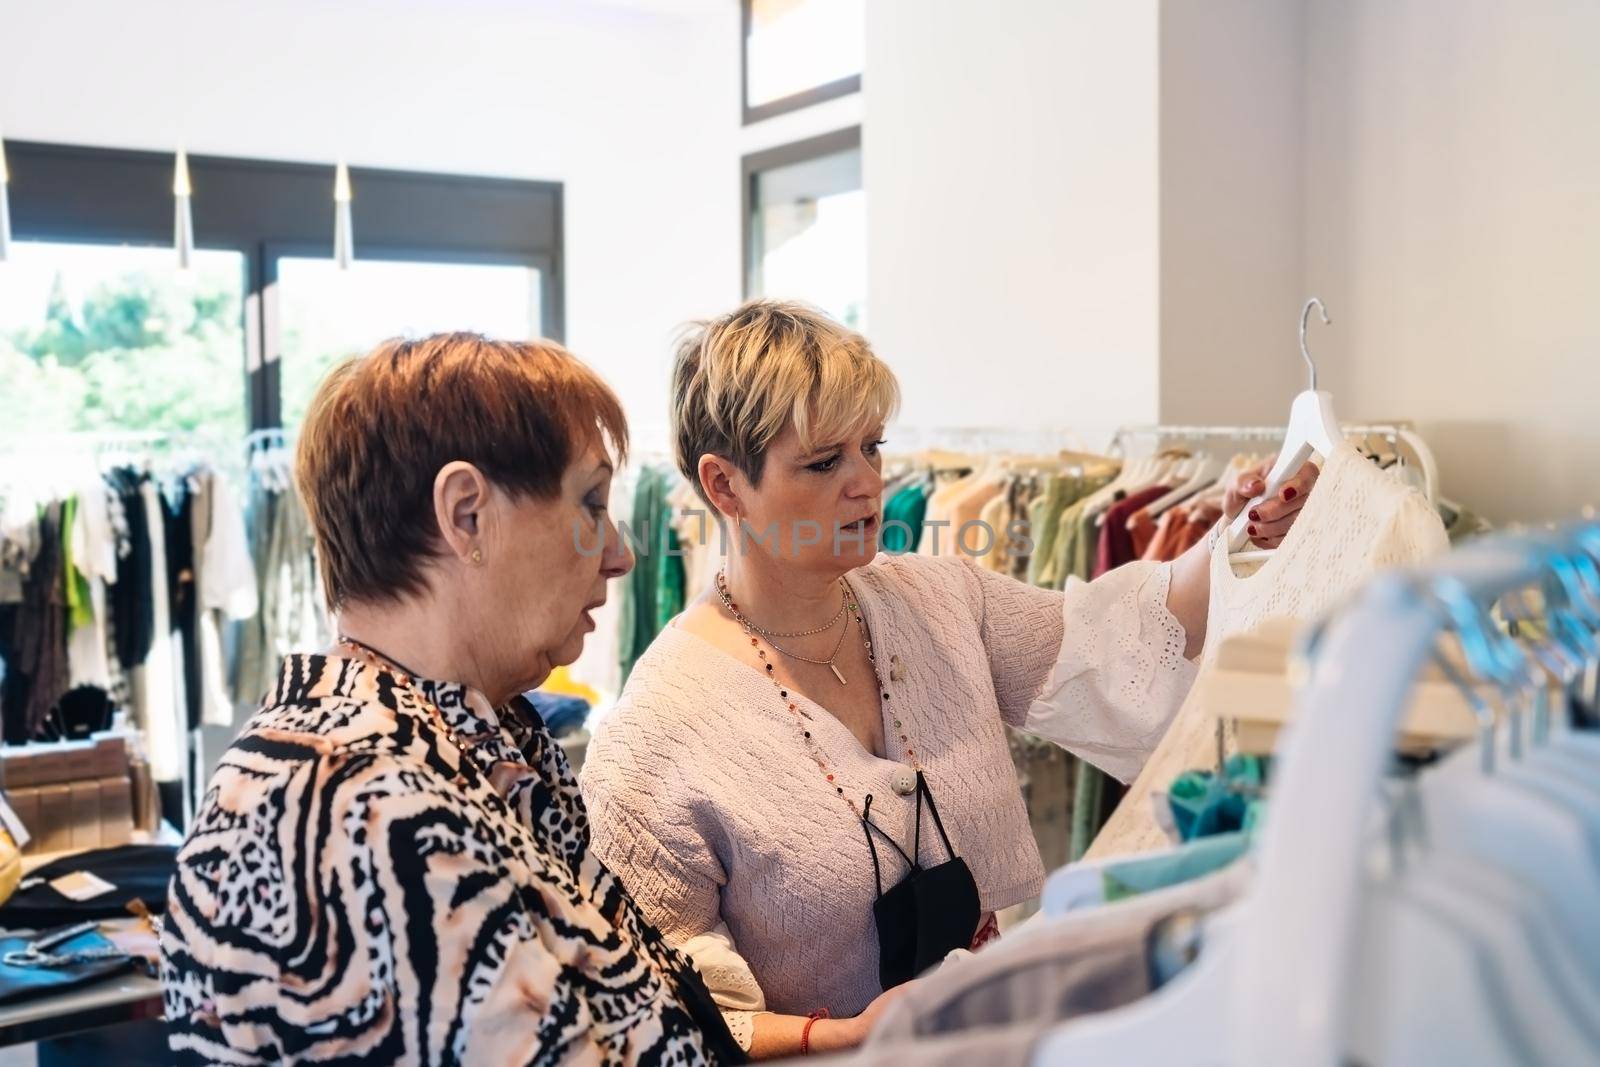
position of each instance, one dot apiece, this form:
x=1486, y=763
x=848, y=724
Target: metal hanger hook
x=1305, y=353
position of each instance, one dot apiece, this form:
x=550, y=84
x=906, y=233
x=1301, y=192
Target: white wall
x=1232, y=209
x=1453, y=224
x=635, y=111
x=1010, y=162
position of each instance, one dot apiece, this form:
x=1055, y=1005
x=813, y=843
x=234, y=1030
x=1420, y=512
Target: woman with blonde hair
x=807, y=782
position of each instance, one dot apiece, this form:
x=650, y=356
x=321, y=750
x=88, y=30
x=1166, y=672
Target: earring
x=477, y=556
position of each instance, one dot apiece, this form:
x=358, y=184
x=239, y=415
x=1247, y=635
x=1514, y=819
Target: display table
x=131, y=998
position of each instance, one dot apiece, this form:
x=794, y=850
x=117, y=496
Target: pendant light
x=183, y=216
x=5, y=206
x=343, y=236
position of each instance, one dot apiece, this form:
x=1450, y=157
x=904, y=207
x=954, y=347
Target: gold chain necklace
x=905, y=781
x=751, y=628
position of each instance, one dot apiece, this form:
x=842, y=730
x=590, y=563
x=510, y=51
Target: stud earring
x=477, y=556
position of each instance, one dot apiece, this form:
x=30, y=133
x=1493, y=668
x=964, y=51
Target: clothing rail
x=1396, y=433
x=1294, y=992
x=980, y=439
x=1276, y=980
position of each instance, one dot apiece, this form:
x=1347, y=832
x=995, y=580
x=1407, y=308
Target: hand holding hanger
x=1271, y=519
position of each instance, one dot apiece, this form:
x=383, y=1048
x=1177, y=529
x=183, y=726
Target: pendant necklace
x=904, y=782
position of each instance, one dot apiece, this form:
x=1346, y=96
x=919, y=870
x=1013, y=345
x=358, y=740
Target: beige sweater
x=703, y=800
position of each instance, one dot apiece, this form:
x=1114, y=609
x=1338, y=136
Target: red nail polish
x=1255, y=516
x=1290, y=493
x=1252, y=531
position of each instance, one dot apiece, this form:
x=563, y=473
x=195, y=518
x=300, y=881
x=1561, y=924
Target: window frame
x=265, y=209
x=753, y=165
x=784, y=104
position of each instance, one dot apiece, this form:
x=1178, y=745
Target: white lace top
x=1359, y=520
x=704, y=801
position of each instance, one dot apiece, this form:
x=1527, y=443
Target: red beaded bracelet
x=805, y=1034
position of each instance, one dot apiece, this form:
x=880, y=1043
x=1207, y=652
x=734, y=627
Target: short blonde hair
x=740, y=379
x=381, y=425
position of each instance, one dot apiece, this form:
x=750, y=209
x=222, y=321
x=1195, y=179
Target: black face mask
x=930, y=912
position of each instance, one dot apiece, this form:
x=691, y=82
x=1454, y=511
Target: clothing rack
x=1278, y=978
x=1396, y=433
x=983, y=439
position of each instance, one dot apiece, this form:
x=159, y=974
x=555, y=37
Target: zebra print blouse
x=353, y=890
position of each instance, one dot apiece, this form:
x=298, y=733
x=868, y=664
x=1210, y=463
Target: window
x=98, y=337
x=805, y=225
x=325, y=314
x=800, y=52
x=99, y=329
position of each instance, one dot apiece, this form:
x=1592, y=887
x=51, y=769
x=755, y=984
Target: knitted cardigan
x=705, y=803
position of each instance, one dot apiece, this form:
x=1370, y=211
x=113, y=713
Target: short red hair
x=382, y=425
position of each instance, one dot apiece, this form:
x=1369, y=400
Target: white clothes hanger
x=1321, y=961
x=1313, y=430
x=1208, y=467
x=1556, y=994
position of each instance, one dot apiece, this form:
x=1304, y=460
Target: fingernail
x=1255, y=516
x=1290, y=493
x=1252, y=531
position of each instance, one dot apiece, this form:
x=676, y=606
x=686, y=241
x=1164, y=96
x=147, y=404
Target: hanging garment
x=1053, y=969
x=1018, y=534
x=1044, y=524
x=1205, y=804
x=291, y=616
x=133, y=594
x=903, y=516
x=1091, y=806
x=37, y=672
x=94, y=555
x=1167, y=532
x=599, y=665
x=79, y=611
x=155, y=683
x=226, y=591
x=1115, y=543
x=19, y=543
x=180, y=505
x=1142, y=531
x=637, y=604
x=1357, y=521
x=1091, y=883
x=993, y=1046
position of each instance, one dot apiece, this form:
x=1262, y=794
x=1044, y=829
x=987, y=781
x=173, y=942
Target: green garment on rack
x=1085, y=545
x=1044, y=520
x=908, y=506
x=1088, y=795
x=1066, y=556
x=1204, y=804
x=1058, y=565
x=654, y=592
x=80, y=603
x=670, y=578
x=637, y=608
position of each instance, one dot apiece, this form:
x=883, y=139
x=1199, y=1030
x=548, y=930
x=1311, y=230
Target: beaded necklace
x=905, y=779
